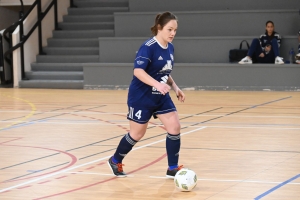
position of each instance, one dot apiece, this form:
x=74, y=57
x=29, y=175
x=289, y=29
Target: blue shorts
x=142, y=115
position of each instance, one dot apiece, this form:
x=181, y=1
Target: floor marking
x=92, y=173
x=287, y=182
x=193, y=115
x=220, y=180
x=33, y=109
x=272, y=126
x=88, y=163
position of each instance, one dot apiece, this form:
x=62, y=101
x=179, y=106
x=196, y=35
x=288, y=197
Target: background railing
x=2, y=75
x=8, y=55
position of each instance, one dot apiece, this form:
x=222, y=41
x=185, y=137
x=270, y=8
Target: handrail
x=24, y=38
x=2, y=76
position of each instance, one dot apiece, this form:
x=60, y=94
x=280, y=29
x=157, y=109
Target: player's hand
x=268, y=48
x=262, y=55
x=163, y=88
x=180, y=95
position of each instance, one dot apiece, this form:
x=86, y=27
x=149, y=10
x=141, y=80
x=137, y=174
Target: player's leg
x=138, y=126
x=253, y=53
x=168, y=116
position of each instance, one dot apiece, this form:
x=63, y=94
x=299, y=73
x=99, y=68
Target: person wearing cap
x=265, y=49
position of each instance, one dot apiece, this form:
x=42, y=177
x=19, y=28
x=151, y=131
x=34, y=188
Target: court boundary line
x=241, y=181
x=88, y=163
x=277, y=187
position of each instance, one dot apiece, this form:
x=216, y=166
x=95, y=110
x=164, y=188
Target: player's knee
x=137, y=135
x=175, y=129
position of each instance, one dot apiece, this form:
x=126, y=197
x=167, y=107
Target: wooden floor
x=54, y=144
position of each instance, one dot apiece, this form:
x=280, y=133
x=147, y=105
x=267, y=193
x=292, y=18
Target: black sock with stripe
x=125, y=146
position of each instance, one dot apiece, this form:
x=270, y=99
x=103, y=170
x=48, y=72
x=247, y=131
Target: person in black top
x=298, y=55
x=265, y=49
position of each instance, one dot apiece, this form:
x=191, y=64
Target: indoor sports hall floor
x=54, y=144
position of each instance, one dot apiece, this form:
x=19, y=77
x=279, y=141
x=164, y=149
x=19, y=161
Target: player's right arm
x=147, y=79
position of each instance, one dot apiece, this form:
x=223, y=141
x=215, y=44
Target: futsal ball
x=185, y=180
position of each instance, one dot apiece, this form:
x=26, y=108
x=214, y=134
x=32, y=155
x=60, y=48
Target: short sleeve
x=143, y=57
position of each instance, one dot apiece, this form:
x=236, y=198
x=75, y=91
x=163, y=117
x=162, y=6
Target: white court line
x=267, y=126
x=192, y=115
x=88, y=163
x=92, y=173
x=218, y=180
x=249, y=127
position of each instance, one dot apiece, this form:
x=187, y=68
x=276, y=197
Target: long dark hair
x=272, y=35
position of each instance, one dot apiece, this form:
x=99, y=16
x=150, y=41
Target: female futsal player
x=148, y=95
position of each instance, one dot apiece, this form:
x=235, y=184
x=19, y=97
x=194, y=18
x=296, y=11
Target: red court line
x=61, y=177
x=15, y=138
x=90, y=168
x=44, y=182
x=73, y=161
x=24, y=187
x=104, y=181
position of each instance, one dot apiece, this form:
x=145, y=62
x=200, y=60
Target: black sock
x=125, y=146
x=173, y=148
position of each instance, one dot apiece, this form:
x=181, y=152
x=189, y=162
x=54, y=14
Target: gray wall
x=201, y=76
x=8, y=15
x=187, y=49
x=212, y=23
x=197, y=5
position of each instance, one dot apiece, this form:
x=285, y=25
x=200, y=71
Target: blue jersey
x=157, y=61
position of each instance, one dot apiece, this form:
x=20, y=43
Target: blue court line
x=22, y=125
x=17, y=126
x=276, y=187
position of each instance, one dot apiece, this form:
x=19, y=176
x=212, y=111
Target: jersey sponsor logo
x=140, y=62
x=164, y=79
x=160, y=58
x=172, y=57
x=167, y=68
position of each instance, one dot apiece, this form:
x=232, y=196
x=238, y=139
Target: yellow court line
x=33, y=109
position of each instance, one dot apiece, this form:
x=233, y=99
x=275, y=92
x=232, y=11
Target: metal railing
x=23, y=38
x=2, y=75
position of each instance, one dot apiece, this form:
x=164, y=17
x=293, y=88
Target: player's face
x=169, y=31
x=270, y=28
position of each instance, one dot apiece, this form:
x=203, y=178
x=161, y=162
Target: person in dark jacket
x=298, y=55
x=265, y=49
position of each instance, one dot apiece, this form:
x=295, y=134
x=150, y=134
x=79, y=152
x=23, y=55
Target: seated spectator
x=266, y=48
x=298, y=55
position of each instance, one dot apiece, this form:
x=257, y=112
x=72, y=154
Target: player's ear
x=159, y=27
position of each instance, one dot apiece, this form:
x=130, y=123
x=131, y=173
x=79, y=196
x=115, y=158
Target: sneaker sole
x=245, y=63
x=120, y=176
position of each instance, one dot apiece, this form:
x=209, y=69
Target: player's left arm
x=180, y=95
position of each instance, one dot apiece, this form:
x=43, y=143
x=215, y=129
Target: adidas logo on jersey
x=167, y=68
x=160, y=58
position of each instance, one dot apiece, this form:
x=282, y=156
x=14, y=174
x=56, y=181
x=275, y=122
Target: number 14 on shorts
x=138, y=114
